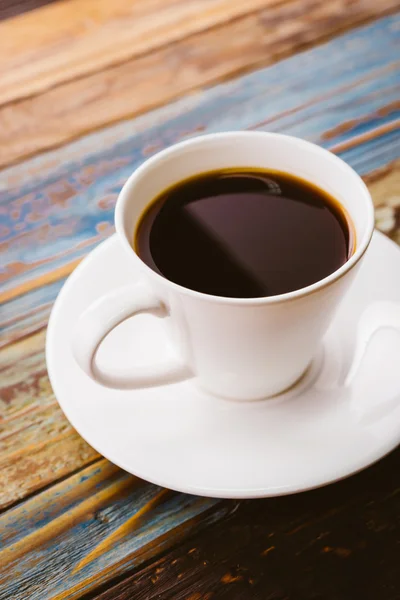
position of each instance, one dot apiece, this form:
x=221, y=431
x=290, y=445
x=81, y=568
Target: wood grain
x=92, y=527
x=336, y=543
x=37, y=443
x=96, y=34
x=61, y=110
x=58, y=206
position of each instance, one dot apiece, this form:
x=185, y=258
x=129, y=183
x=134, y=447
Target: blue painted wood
x=89, y=528
x=53, y=215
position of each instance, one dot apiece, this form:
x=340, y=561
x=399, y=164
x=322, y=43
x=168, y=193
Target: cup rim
x=154, y=161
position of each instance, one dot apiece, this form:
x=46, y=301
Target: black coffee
x=244, y=233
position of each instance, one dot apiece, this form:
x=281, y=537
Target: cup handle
x=379, y=315
x=101, y=317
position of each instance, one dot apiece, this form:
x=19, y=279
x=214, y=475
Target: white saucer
x=179, y=437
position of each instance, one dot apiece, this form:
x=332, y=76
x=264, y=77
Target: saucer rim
x=212, y=492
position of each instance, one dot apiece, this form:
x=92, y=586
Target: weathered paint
x=89, y=528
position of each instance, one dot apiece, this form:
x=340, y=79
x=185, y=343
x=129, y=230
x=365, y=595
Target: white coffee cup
x=238, y=348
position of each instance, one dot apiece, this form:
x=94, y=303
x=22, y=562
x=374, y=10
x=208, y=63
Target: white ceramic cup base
x=319, y=431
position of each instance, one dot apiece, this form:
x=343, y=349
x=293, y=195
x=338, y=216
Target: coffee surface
x=244, y=233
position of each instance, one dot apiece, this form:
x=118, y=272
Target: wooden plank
x=90, y=528
x=74, y=190
x=64, y=109
x=92, y=35
x=37, y=443
x=339, y=542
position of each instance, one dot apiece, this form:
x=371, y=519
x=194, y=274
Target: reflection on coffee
x=244, y=233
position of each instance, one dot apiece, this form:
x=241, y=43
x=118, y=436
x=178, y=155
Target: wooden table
x=88, y=89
